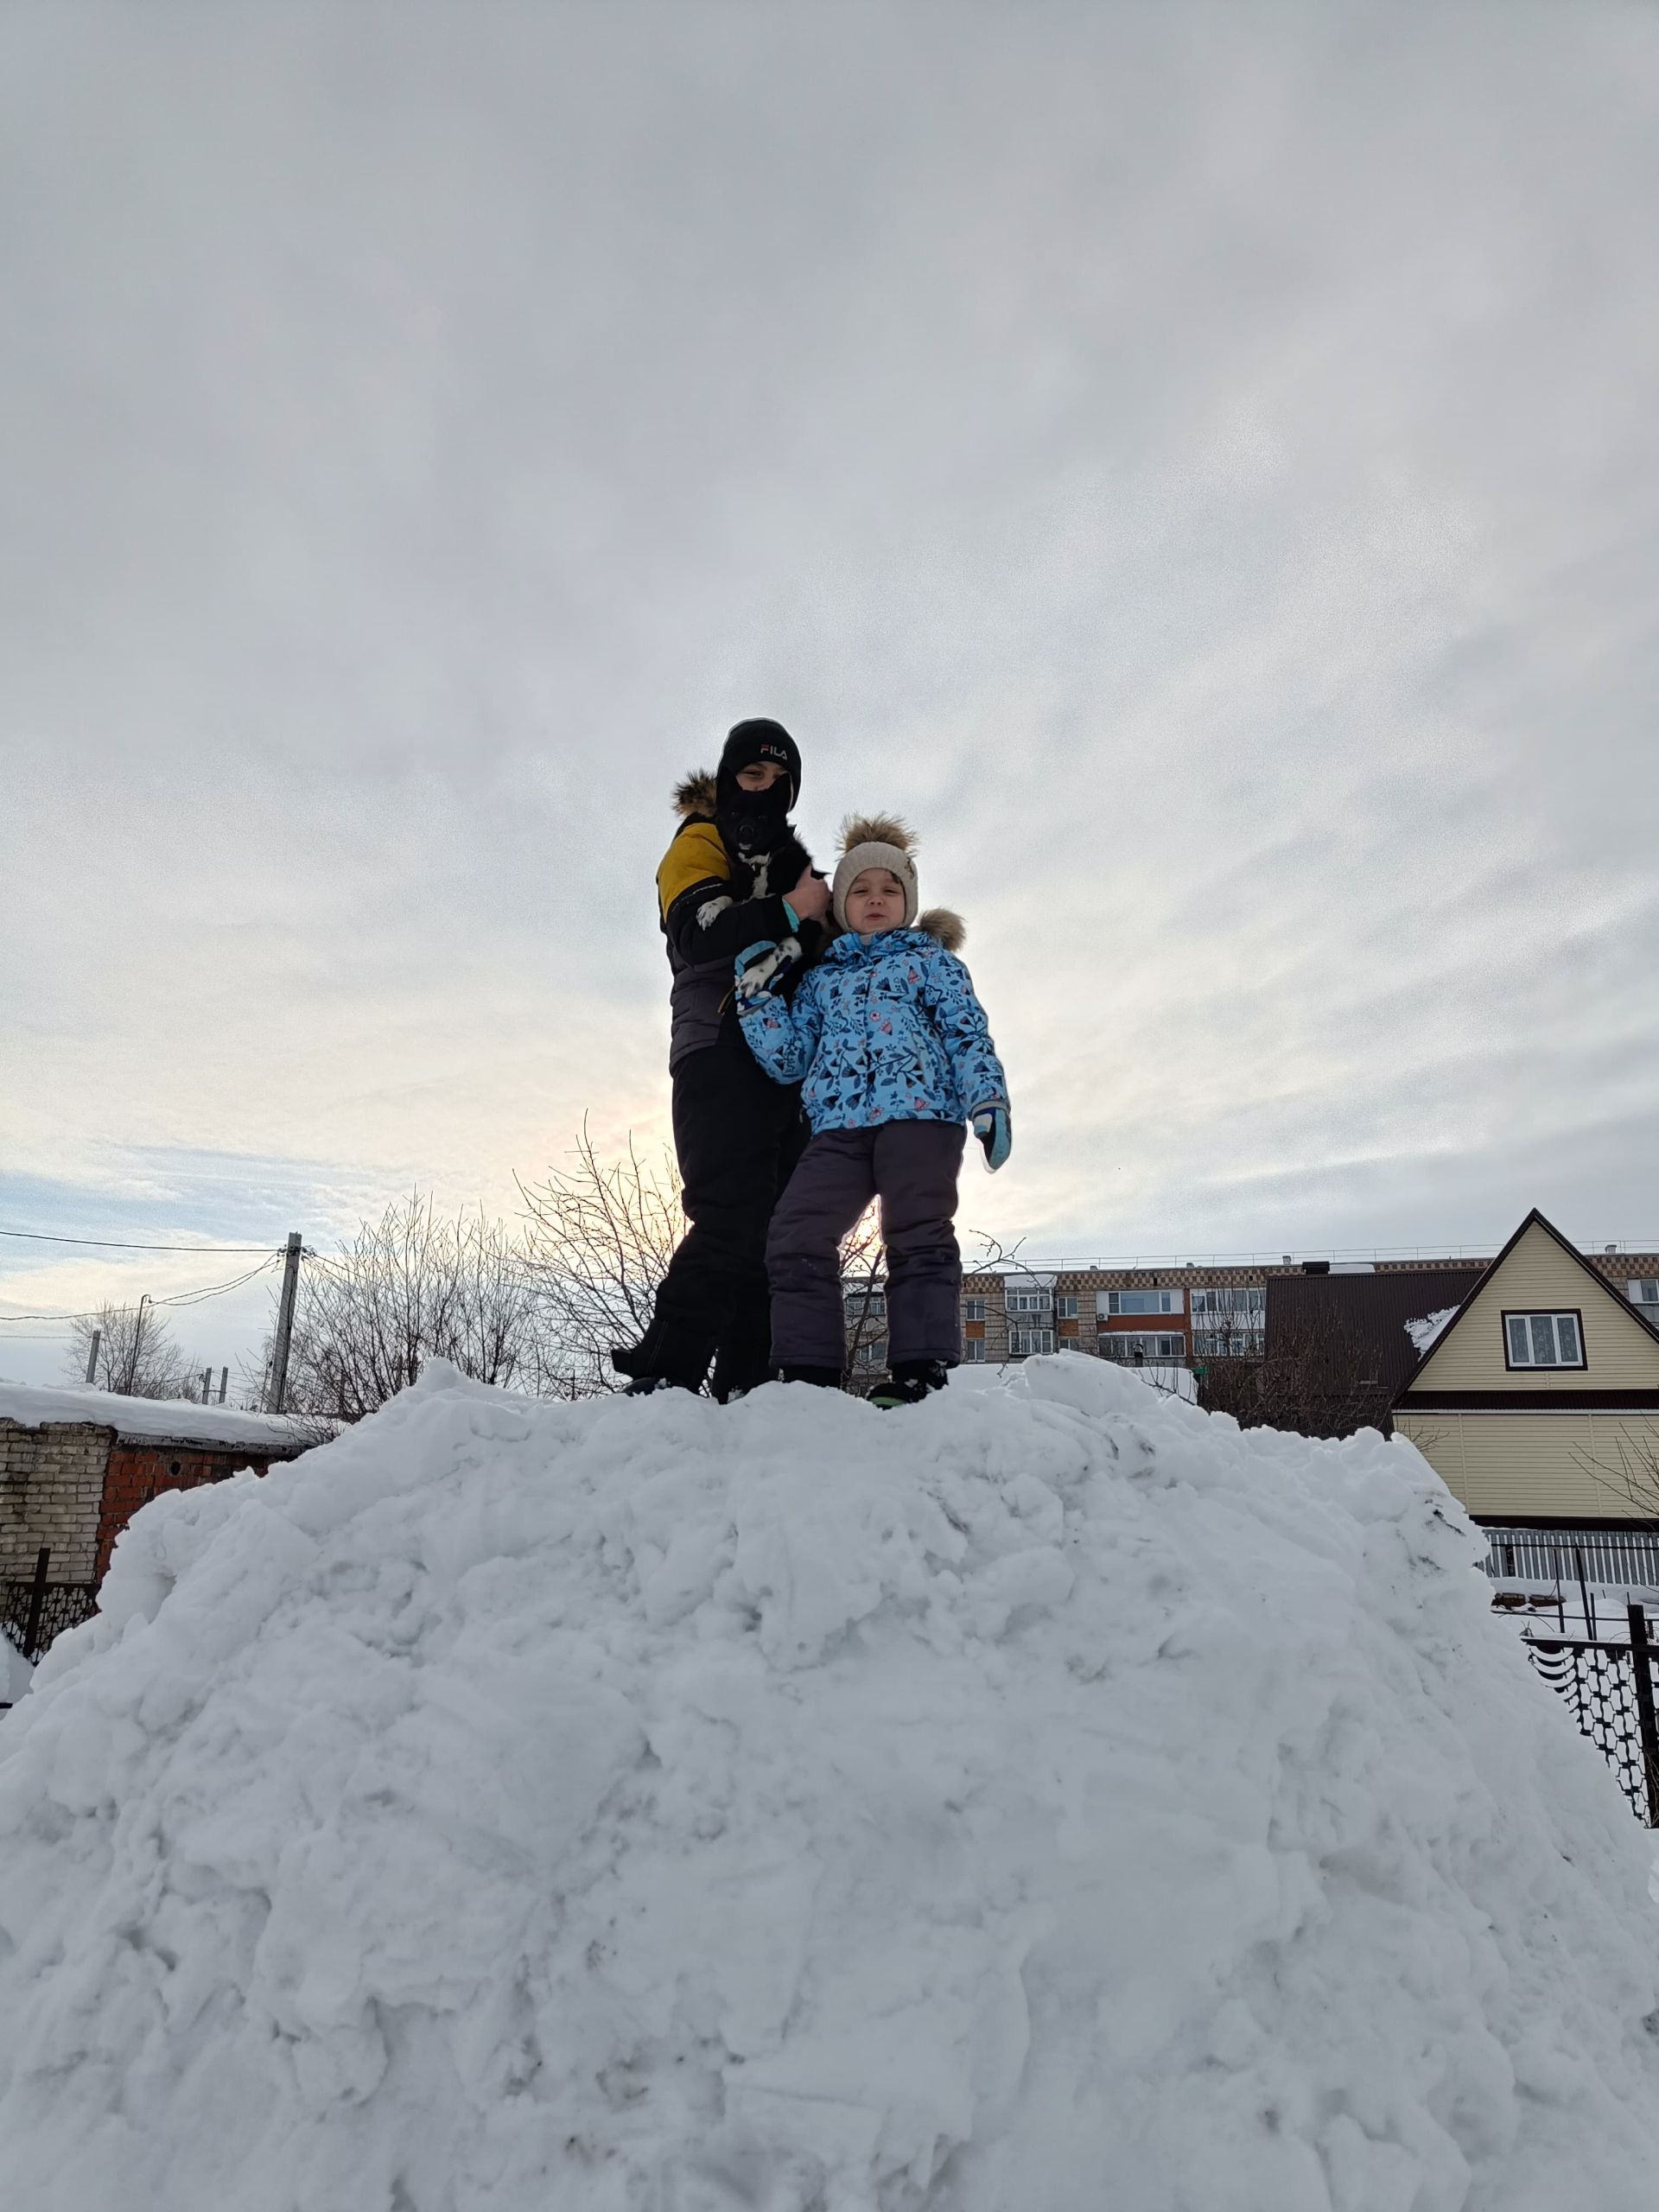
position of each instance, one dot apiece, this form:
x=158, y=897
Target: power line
x=182, y=1297
x=116, y=1244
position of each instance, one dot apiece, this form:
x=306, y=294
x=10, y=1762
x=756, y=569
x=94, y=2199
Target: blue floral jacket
x=884, y=1029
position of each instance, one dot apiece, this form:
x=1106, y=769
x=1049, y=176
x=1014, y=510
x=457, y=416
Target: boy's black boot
x=826, y=1378
x=913, y=1381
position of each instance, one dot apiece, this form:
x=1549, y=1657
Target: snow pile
x=15, y=1671
x=1051, y=1796
x=1426, y=1331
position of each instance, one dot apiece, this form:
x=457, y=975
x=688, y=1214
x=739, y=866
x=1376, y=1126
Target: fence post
x=36, y=1603
x=1640, y=1661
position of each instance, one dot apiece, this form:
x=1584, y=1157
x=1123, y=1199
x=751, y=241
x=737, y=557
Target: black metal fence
x=1609, y=1691
x=33, y=1613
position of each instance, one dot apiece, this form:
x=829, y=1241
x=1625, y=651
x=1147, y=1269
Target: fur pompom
x=945, y=927
x=876, y=829
x=694, y=797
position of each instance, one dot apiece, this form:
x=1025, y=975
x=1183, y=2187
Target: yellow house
x=1539, y=1399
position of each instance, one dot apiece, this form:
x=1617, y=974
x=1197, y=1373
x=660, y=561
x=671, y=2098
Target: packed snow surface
x=174, y=1419
x=1049, y=1797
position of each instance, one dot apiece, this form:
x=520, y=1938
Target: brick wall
x=138, y=1471
x=51, y=1492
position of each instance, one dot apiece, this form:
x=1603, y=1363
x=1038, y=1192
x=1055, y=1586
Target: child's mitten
x=990, y=1125
x=762, y=967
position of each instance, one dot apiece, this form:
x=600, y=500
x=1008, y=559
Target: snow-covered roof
x=174, y=1419
x=1423, y=1334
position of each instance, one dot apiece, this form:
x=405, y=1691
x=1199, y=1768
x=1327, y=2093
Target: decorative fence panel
x=1609, y=1691
x=32, y=1613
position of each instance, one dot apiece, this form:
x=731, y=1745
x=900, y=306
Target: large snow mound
x=1051, y=1797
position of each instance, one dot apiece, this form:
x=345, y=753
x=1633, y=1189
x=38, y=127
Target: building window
x=1543, y=1340
x=973, y=1309
x=1644, y=1290
x=1140, y=1301
x=871, y=1359
x=1229, y=1322
x=1244, y=1307
x=1030, y=1302
x=973, y=1353
x=1130, y=1348
x=1066, y=1309
x=1026, y=1344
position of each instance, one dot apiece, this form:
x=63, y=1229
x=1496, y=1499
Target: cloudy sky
x=1199, y=464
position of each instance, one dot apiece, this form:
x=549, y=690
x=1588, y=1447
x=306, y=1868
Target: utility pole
x=224, y=1382
x=207, y=1386
x=284, y=1323
x=91, y=1355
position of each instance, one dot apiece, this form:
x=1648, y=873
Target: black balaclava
x=754, y=824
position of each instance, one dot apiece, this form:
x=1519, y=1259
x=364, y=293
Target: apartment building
x=1187, y=1314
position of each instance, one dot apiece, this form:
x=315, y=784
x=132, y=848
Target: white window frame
x=1030, y=1302
x=1169, y=1301
x=1158, y=1347
x=1234, y=1306
x=1065, y=1306
x=1029, y=1343
x=973, y=1351
x=1528, y=1331
x=973, y=1309
x=1643, y=1290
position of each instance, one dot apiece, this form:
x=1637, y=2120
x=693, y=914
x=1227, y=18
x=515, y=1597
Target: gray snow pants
x=911, y=1166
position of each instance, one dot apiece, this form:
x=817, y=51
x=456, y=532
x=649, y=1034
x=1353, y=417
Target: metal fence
x=33, y=1613
x=1626, y=1558
x=1609, y=1689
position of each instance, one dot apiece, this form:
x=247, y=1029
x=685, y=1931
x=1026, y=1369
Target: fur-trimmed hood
x=694, y=796
x=945, y=927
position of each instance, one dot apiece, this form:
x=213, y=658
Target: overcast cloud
x=1200, y=465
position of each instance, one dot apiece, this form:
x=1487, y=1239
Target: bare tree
x=864, y=1293
x=413, y=1286
x=137, y=1356
x=1632, y=1475
x=600, y=1238
x=1317, y=1376
x=602, y=1234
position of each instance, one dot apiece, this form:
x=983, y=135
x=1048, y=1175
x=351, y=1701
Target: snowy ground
x=15, y=1672
x=1049, y=1798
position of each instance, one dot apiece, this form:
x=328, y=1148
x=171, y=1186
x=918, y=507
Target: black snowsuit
x=737, y=1133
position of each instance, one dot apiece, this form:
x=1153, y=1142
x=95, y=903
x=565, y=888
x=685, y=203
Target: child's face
x=760, y=776
x=875, y=901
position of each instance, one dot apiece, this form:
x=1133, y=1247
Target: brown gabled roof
x=1600, y=1280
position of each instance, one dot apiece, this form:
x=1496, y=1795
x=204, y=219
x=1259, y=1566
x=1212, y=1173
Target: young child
x=895, y=1055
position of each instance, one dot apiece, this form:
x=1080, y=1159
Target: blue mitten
x=762, y=966
x=990, y=1125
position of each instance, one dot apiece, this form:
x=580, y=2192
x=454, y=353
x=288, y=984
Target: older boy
x=735, y=871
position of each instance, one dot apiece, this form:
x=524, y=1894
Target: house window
x=1030, y=1302
x=1543, y=1340
x=1026, y=1343
x=973, y=1353
x=1066, y=1309
x=1130, y=1348
x=1138, y=1301
x=973, y=1309
x=1644, y=1290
